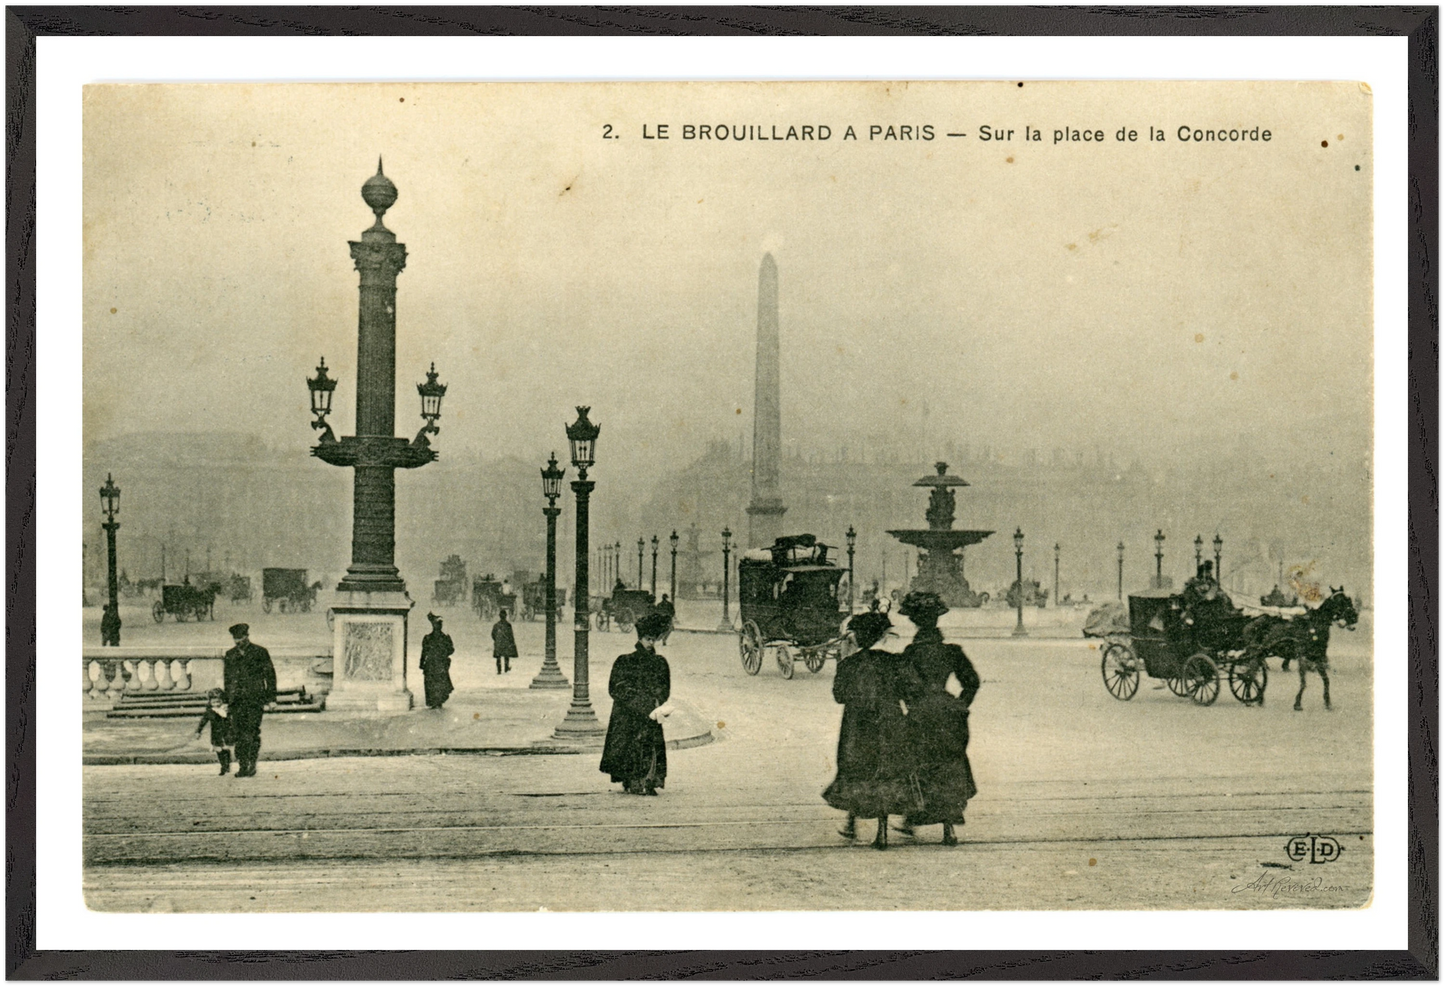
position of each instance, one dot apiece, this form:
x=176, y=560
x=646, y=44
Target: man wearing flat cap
x=250, y=686
x=635, y=752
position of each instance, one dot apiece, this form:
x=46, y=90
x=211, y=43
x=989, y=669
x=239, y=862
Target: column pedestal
x=369, y=653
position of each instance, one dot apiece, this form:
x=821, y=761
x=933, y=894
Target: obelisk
x=765, y=512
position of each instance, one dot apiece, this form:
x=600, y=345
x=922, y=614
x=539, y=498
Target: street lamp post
x=1056, y=574
x=1121, y=572
x=550, y=676
x=371, y=603
x=1198, y=552
x=616, y=566
x=654, y=567
x=672, y=540
x=641, y=547
x=1218, y=566
x=580, y=723
x=110, y=507
x=1159, y=559
x=727, y=537
x=1019, y=630
x=852, y=537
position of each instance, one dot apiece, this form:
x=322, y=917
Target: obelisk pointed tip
x=768, y=260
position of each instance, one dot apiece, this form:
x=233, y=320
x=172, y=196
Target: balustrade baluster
x=117, y=682
x=132, y=677
x=94, y=674
x=163, y=675
x=181, y=673
x=147, y=675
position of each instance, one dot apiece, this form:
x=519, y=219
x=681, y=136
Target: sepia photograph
x=728, y=497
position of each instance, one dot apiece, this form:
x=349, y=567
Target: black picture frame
x=1420, y=24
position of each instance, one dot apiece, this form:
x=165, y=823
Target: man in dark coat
x=666, y=608
x=436, y=663
x=635, y=752
x=110, y=626
x=504, y=646
x=875, y=757
x=250, y=686
x=938, y=719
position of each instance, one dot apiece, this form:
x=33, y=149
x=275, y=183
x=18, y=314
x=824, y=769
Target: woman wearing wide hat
x=635, y=752
x=874, y=759
x=938, y=721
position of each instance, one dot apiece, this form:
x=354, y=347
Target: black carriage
x=184, y=601
x=534, y=599
x=1189, y=640
x=625, y=606
x=451, y=588
x=489, y=598
x=788, y=601
x=287, y=591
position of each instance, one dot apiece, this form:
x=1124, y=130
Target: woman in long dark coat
x=938, y=721
x=635, y=752
x=874, y=759
x=436, y=663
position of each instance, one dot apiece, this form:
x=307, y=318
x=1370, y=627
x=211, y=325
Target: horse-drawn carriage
x=451, y=588
x=788, y=601
x=1189, y=640
x=534, y=599
x=489, y=597
x=238, y=588
x=625, y=606
x=287, y=590
x=184, y=601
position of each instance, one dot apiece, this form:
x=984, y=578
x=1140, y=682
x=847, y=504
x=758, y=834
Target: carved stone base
x=369, y=653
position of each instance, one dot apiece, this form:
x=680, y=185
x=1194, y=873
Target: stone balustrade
x=108, y=673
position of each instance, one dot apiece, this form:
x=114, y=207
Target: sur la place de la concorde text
x=1239, y=133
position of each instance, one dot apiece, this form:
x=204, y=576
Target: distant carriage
x=451, y=588
x=488, y=598
x=625, y=606
x=184, y=602
x=534, y=599
x=1189, y=643
x=788, y=601
x=287, y=590
x=238, y=588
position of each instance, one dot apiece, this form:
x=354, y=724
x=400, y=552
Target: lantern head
x=852, y=537
x=582, y=436
x=727, y=537
x=321, y=387
x=1018, y=539
x=552, y=480
x=110, y=499
x=1218, y=543
x=673, y=539
x=431, y=398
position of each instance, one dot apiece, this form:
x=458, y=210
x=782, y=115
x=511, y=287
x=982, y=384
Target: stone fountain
x=940, y=561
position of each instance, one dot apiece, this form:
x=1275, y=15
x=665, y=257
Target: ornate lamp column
x=1198, y=552
x=1121, y=572
x=580, y=723
x=1218, y=565
x=1019, y=629
x=371, y=604
x=551, y=677
x=1159, y=559
x=641, y=546
x=654, y=567
x=616, y=567
x=1056, y=574
x=672, y=540
x=852, y=537
x=726, y=624
x=110, y=506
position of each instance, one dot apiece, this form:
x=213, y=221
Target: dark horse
x=1304, y=639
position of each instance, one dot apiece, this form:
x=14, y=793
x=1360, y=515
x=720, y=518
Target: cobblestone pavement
x=1084, y=801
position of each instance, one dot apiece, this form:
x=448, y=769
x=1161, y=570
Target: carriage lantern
x=552, y=480
x=110, y=499
x=322, y=388
x=431, y=401
x=582, y=436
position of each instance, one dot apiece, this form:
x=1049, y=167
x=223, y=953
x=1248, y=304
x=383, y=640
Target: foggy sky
x=1163, y=299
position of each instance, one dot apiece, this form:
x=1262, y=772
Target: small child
x=223, y=732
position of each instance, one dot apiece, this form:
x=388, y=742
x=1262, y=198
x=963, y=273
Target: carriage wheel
x=1176, y=683
x=1120, y=670
x=813, y=659
x=158, y=611
x=265, y=604
x=624, y=622
x=785, y=661
x=1247, y=680
x=1201, y=679
x=750, y=647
